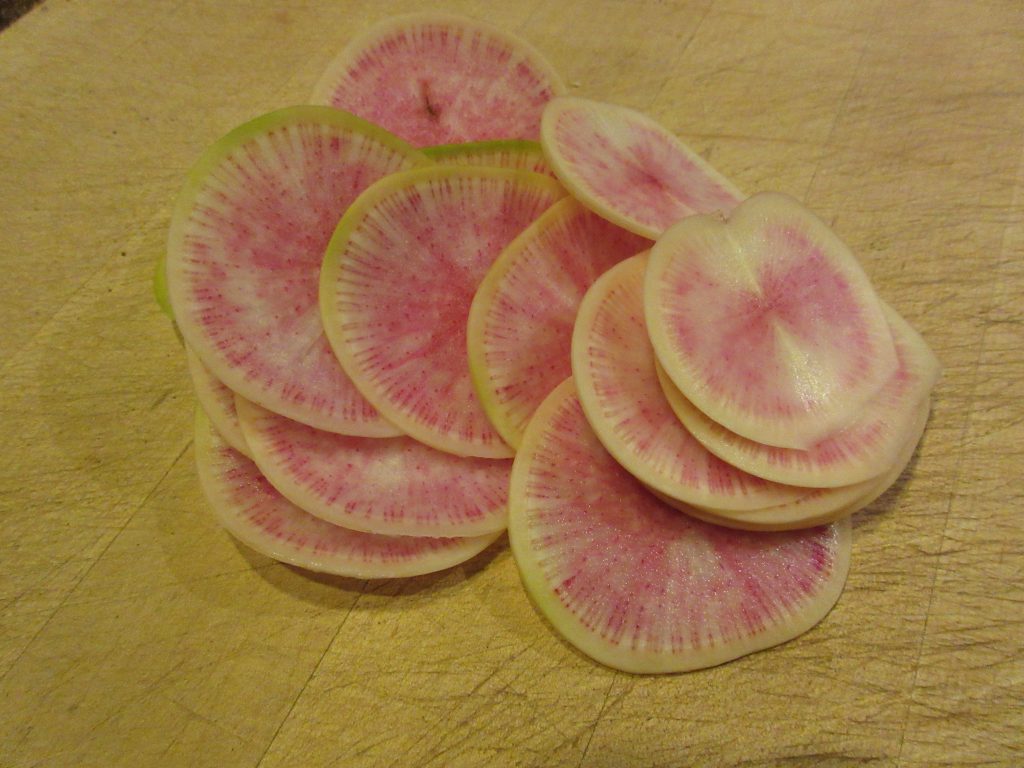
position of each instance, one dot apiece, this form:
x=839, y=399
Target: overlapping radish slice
x=623, y=165
x=520, y=323
x=863, y=450
x=218, y=402
x=613, y=364
x=436, y=78
x=395, y=486
x=246, y=241
x=249, y=507
x=639, y=586
x=500, y=153
x=396, y=287
x=767, y=323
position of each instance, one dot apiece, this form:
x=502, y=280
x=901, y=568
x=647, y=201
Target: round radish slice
x=510, y=153
x=520, y=323
x=436, y=78
x=396, y=287
x=767, y=323
x=218, y=402
x=861, y=451
x=623, y=165
x=827, y=504
x=246, y=241
x=613, y=364
x=394, y=486
x=639, y=586
x=247, y=505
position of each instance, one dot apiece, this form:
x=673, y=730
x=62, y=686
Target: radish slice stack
x=698, y=388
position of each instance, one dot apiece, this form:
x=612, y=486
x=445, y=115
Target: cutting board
x=135, y=632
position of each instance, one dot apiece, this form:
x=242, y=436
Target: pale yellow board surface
x=133, y=632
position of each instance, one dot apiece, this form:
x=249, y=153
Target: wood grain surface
x=134, y=632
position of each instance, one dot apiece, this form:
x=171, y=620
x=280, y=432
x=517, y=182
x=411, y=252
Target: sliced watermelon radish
x=863, y=450
x=436, y=78
x=508, y=153
x=252, y=511
x=394, y=486
x=623, y=165
x=613, y=364
x=396, y=287
x=246, y=241
x=767, y=323
x=639, y=586
x=520, y=324
x=218, y=403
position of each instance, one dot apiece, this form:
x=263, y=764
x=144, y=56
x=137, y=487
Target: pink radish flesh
x=439, y=79
x=639, y=586
x=397, y=284
x=246, y=244
x=246, y=504
x=218, y=402
x=520, y=324
x=767, y=323
x=613, y=364
x=392, y=486
x=626, y=167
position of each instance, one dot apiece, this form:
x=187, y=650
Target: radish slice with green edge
x=520, y=323
x=437, y=78
x=395, y=486
x=825, y=505
x=508, y=153
x=629, y=169
x=613, y=364
x=397, y=283
x=218, y=402
x=250, y=509
x=861, y=451
x=246, y=242
x=640, y=586
x=767, y=323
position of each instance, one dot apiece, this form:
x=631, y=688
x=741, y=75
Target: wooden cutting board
x=134, y=632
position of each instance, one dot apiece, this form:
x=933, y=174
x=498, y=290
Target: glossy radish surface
x=509, y=153
x=858, y=452
x=394, y=485
x=437, y=78
x=218, y=402
x=520, y=323
x=246, y=243
x=629, y=169
x=767, y=323
x=613, y=365
x=396, y=287
x=251, y=510
x=640, y=586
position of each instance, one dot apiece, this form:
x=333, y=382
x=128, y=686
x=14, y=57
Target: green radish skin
x=396, y=286
x=244, y=252
x=767, y=323
x=518, y=154
x=640, y=587
x=252, y=511
x=613, y=365
x=218, y=403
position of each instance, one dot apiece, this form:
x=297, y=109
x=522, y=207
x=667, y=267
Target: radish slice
x=218, y=402
x=861, y=451
x=640, y=587
x=437, y=78
x=243, y=260
x=394, y=486
x=396, y=287
x=509, y=153
x=627, y=168
x=520, y=323
x=613, y=364
x=767, y=323
x=245, y=503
